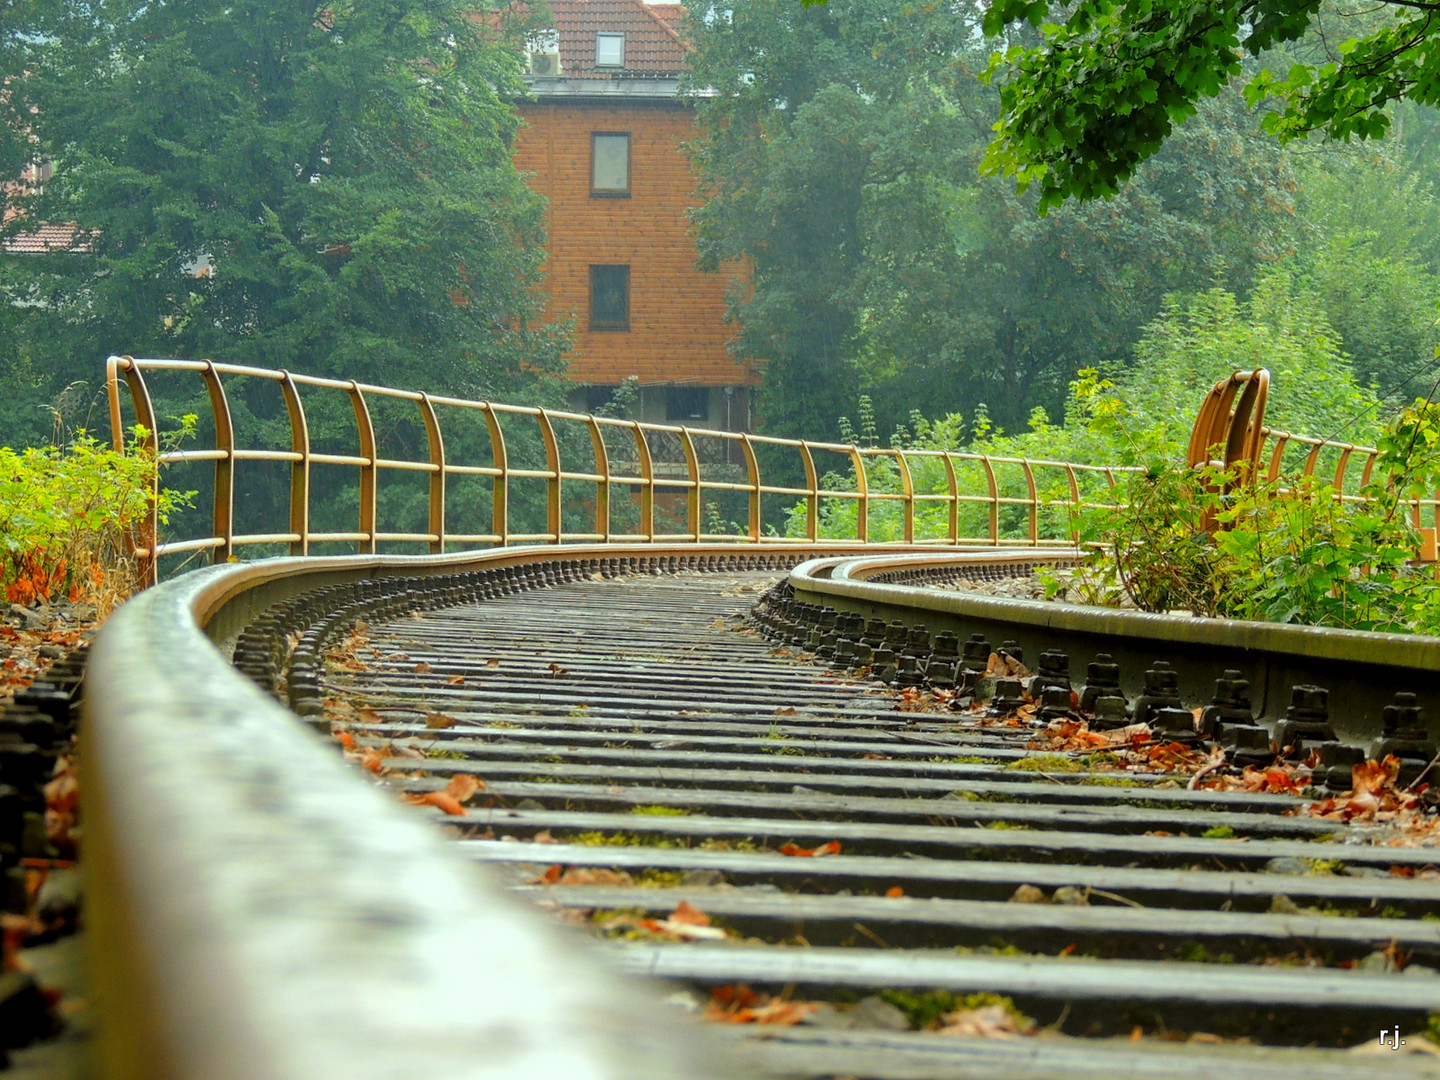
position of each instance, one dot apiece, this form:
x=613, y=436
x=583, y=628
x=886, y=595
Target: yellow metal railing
x=641, y=473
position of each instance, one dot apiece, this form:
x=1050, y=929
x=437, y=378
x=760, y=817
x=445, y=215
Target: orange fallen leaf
x=440, y=799
x=456, y=680
x=345, y=739
x=422, y=668
x=832, y=848
x=894, y=892
x=551, y=876
x=689, y=913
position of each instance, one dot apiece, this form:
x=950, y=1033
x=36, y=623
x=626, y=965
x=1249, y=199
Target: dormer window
x=609, y=50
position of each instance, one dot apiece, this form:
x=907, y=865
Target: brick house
x=602, y=143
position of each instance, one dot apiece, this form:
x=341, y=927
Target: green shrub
x=66, y=516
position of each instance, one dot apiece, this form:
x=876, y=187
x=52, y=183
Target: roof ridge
x=664, y=25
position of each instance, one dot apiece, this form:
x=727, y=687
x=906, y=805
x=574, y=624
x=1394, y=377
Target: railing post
x=223, y=508
x=365, y=430
x=907, y=488
x=647, y=489
x=602, y=489
x=1074, y=503
x=994, y=499
x=146, y=564
x=436, y=440
x=1034, y=503
x=862, y=492
x=752, y=466
x=812, y=500
x=500, y=490
x=299, y=470
x=692, y=501
x=953, y=483
x=553, y=521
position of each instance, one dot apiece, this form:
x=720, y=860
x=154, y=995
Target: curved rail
x=250, y=925
x=246, y=927
x=1362, y=669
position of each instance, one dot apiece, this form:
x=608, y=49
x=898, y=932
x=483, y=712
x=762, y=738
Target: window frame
x=612, y=193
x=611, y=326
x=675, y=410
x=610, y=34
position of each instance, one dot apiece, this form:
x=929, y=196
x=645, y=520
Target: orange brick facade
x=677, y=331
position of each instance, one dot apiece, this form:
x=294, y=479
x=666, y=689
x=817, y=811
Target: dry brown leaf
x=494, y=661
x=370, y=716
x=456, y=680
x=439, y=720
x=422, y=668
x=463, y=787
x=438, y=799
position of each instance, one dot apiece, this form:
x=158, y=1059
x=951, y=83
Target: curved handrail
x=645, y=473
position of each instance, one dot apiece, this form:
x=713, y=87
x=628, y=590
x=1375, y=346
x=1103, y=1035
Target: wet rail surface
x=641, y=745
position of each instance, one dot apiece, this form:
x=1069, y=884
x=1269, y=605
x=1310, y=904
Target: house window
x=610, y=163
x=687, y=403
x=609, y=298
x=609, y=50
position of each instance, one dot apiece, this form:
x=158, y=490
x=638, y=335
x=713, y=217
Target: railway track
x=652, y=764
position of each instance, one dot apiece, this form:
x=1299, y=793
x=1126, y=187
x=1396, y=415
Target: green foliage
x=1107, y=83
x=65, y=516
x=326, y=191
x=1291, y=550
x=839, y=161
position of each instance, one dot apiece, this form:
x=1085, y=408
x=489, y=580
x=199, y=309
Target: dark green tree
x=323, y=187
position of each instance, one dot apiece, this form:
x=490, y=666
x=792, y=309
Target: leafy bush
x=65, y=515
x=1289, y=551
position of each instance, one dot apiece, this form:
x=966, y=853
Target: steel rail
x=1362, y=669
x=641, y=761
x=241, y=927
x=259, y=910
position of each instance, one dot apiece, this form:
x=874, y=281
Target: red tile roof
x=669, y=14
x=44, y=239
x=652, y=45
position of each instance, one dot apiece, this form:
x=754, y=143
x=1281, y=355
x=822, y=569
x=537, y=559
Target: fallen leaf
x=894, y=892
x=439, y=720
x=370, y=716
x=689, y=913
x=463, y=787
x=986, y=1022
x=556, y=671
x=422, y=668
x=832, y=848
x=594, y=875
x=544, y=837
x=456, y=680
x=494, y=661
x=345, y=739
x=439, y=799
x=785, y=712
